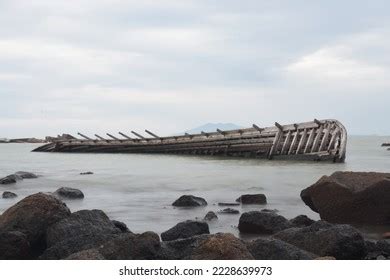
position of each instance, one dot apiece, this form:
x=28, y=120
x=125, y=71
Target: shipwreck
x=318, y=140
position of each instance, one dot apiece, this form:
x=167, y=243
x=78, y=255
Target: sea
x=139, y=189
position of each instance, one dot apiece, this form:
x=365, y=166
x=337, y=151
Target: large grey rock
x=323, y=239
x=68, y=193
x=274, y=249
x=184, y=230
x=252, y=199
x=262, y=222
x=32, y=216
x=14, y=246
x=189, y=201
x=26, y=175
x=10, y=179
x=351, y=197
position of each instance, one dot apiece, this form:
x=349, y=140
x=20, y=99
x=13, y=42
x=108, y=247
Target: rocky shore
x=41, y=226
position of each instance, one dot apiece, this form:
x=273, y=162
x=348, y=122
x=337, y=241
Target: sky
x=97, y=66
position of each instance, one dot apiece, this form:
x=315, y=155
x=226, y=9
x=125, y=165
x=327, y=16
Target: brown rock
x=386, y=235
x=351, y=197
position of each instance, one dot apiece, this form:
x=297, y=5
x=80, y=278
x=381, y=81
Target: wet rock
x=377, y=248
x=229, y=211
x=10, y=179
x=121, y=226
x=262, y=222
x=90, y=254
x=86, y=173
x=323, y=239
x=351, y=197
x=252, y=199
x=129, y=246
x=14, y=246
x=184, y=230
x=68, y=193
x=386, y=235
x=325, y=259
x=301, y=221
x=221, y=246
x=189, y=201
x=210, y=216
x=274, y=249
x=180, y=249
x=228, y=204
x=26, y=175
x=82, y=230
x=9, y=195
x=32, y=216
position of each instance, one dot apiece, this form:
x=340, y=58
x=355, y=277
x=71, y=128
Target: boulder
x=86, y=173
x=121, y=226
x=323, y=239
x=377, y=249
x=221, y=246
x=252, y=199
x=68, y=193
x=26, y=175
x=189, y=201
x=210, y=216
x=32, y=216
x=301, y=221
x=90, y=254
x=185, y=229
x=229, y=211
x=10, y=179
x=14, y=246
x=9, y=195
x=274, y=249
x=262, y=222
x=129, y=246
x=82, y=230
x=351, y=197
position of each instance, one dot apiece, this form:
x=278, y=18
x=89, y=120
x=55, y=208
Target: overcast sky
x=99, y=66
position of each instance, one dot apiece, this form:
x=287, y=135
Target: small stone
x=210, y=216
x=9, y=195
x=189, y=201
x=228, y=204
x=86, y=173
x=69, y=193
x=301, y=221
x=26, y=175
x=381, y=257
x=252, y=199
x=229, y=211
x=121, y=226
x=10, y=179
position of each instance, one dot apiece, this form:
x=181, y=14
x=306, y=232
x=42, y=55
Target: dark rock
x=386, y=235
x=323, y=239
x=221, y=246
x=228, y=204
x=26, y=175
x=86, y=173
x=274, y=249
x=9, y=195
x=129, y=246
x=351, y=197
x=262, y=222
x=252, y=199
x=229, y=211
x=184, y=230
x=32, y=216
x=14, y=246
x=377, y=248
x=10, y=179
x=301, y=221
x=121, y=226
x=82, y=230
x=325, y=259
x=69, y=193
x=90, y=254
x=210, y=216
x=180, y=249
x=189, y=201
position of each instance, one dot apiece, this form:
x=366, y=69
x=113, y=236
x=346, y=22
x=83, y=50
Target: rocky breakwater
x=351, y=197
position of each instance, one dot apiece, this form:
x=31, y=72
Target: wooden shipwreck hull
x=316, y=140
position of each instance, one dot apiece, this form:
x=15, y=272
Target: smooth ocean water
x=139, y=189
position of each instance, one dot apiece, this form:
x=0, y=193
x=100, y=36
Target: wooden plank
x=324, y=139
x=99, y=137
x=84, y=136
x=152, y=134
x=294, y=142
x=333, y=139
x=257, y=128
x=317, y=139
x=124, y=135
x=275, y=143
x=309, y=140
x=138, y=135
x=302, y=141
x=286, y=142
x=112, y=136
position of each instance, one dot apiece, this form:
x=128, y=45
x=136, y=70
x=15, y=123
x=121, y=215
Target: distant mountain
x=212, y=127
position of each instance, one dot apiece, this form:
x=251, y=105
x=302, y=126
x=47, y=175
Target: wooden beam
x=101, y=138
x=309, y=141
x=317, y=122
x=293, y=143
x=221, y=132
x=138, y=135
x=205, y=133
x=324, y=139
x=112, y=136
x=84, y=136
x=275, y=143
x=317, y=139
x=302, y=141
x=286, y=142
x=124, y=135
x=278, y=125
x=332, y=140
x=152, y=134
x=257, y=128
